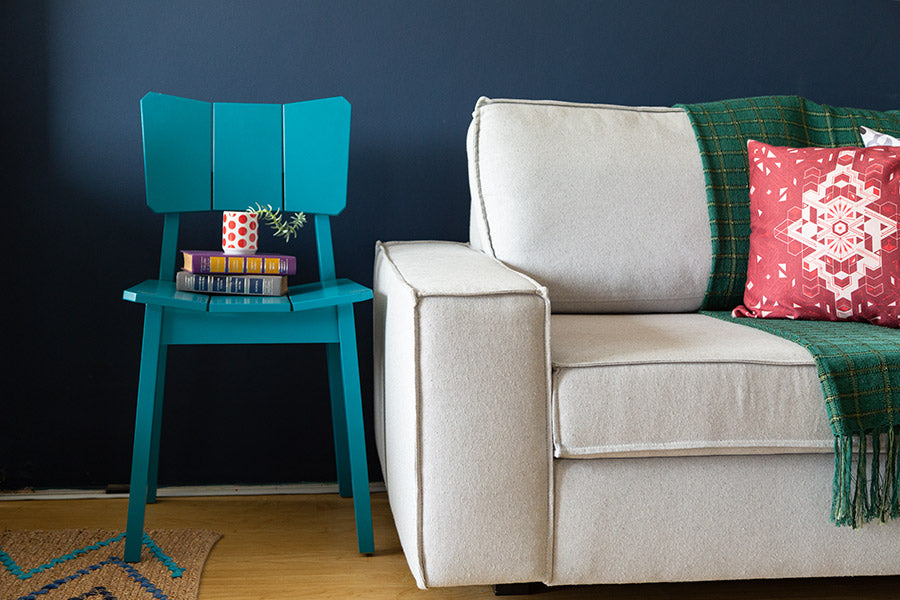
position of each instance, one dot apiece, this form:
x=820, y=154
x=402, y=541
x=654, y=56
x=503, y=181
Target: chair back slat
x=202, y=156
x=316, y=150
x=177, y=153
x=247, y=155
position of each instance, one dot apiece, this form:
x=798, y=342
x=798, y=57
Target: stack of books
x=210, y=272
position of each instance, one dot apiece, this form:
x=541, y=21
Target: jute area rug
x=79, y=564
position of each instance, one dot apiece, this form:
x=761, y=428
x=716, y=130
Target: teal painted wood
x=143, y=430
x=249, y=304
x=324, y=247
x=307, y=296
x=169, y=247
x=177, y=153
x=356, y=436
x=316, y=151
x=338, y=419
x=200, y=156
x=156, y=427
x=317, y=326
x=163, y=293
x=327, y=293
x=247, y=155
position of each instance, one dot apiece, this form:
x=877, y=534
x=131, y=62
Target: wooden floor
x=304, y=546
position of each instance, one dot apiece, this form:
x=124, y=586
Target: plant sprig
x=274, y=218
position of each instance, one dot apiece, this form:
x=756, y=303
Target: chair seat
x=308, y=296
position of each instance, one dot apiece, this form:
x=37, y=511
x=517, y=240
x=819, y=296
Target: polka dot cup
x=240, y=232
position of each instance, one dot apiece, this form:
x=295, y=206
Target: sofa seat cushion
x=680, y=384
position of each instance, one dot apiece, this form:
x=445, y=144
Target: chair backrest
x=212, y=156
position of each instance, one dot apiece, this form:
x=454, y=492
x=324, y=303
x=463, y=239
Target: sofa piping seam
x=590, y=452
x=536, y=289
x=420, y=544
x=476, y=146
x=583, y=105
x=549, y=560
x=480, y=294
x=755, y=362
x=412, y=288
x=599, y=300
x=420, y=493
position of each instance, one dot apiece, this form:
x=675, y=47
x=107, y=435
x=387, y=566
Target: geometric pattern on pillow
x=870, y=138
x=824, y=234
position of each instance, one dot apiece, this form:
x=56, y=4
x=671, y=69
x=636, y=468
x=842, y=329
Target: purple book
x=203, y=261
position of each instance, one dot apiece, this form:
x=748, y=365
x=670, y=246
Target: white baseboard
x=187, y=491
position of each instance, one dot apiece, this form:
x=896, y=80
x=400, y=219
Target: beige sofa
x=531, y=385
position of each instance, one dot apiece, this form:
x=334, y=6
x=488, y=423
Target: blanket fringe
x=873, y=491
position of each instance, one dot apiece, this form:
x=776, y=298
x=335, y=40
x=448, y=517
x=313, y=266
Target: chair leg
x=356, y=436
x=338, y=419
x=143, y=431
x=152, y=475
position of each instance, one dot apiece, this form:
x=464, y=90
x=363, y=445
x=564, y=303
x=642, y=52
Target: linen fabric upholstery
x=462, y=413
x=669, y=431
x=671, y=384
x=604, y=205
x=707, y=518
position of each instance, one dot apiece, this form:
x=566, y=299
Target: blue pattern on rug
x=7, y=561
x=112, y=560
x=162, y=557
x=99, y=590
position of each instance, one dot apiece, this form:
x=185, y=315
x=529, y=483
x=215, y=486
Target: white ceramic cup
x=240, y=232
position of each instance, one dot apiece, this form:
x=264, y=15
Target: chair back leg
x=152, y=475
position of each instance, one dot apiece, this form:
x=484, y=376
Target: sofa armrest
x=461, y=408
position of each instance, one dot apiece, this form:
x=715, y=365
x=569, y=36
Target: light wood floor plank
x=304, y=546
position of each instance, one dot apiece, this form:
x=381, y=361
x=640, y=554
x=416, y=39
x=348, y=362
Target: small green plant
x=274, y=218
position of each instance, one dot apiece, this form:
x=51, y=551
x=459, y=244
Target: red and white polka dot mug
x=240, y=232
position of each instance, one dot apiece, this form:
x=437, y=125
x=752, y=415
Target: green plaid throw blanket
x=858, y=363
x=722, y=130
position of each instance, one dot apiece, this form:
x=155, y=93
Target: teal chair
x=201, y=156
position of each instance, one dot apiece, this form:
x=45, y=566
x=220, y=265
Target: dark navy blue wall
x=74, y=73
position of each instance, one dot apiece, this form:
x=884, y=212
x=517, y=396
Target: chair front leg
x=356, y=437
x=148, y=381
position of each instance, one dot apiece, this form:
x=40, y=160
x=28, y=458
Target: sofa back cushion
x=604, y=205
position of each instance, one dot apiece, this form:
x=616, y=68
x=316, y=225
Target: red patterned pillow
x=824, y=234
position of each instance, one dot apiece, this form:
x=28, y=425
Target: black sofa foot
x=518, y=589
